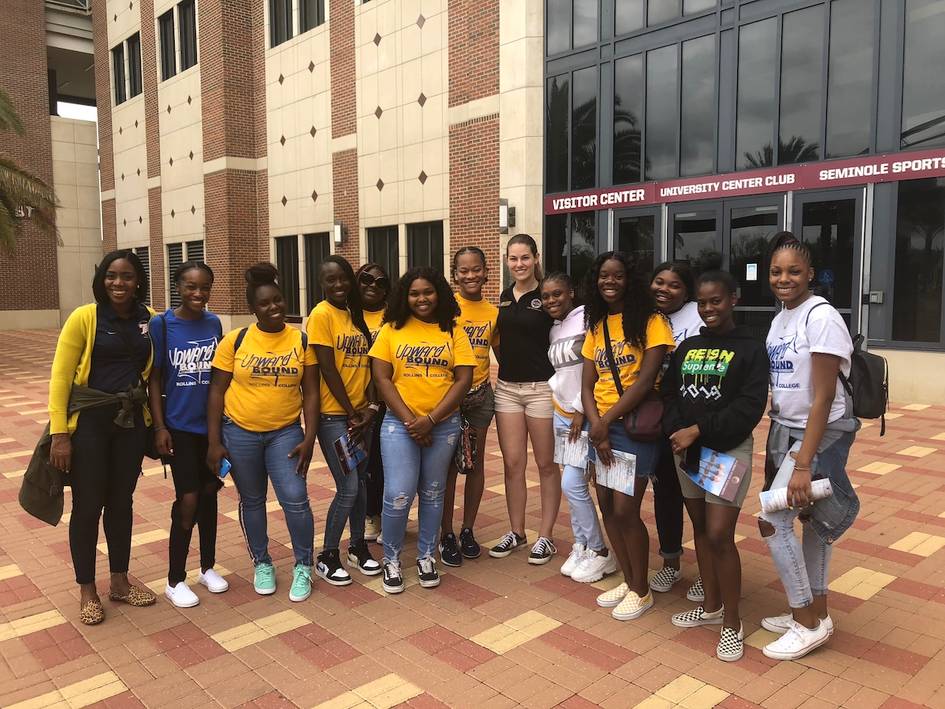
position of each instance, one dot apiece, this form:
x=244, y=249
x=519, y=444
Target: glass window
x=175, y=257
x=556, y=133
x=583, y=245
x=195, y=250
x=691, y=7
x=143, y=254
x=628, y=15
x=750, y=232
x=118, y=73
x=659, y=11
x=134, y=65
x=584, y=129
x=636, y=238
x=312, y=14
x=662, y=128
x=287, y=261
x=168, y=49
x=917, y=295
x=923, y=89
x=425, y=245
x=698, y=106
x=756, y=105
x=280, y=21
x=384, y=248
x=850, y=78
x=829, y=228
x=554, y=256
x=559, y=26
x=187, y=18
x=585, y=22
x=628, y=118
x=317, y=248
x=802, y=51
x=696, y=240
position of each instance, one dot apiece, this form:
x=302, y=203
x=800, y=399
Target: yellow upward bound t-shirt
x=478, y=319
x=333, y=327
x=374, y=319
x=628, y=357
x=423, y=357
x=265, y=393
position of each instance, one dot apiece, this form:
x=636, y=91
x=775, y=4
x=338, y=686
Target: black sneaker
x=329, y=568
x=449, y=550
x=393, y=577
x=542, y=552
x=426, y=569
x=360, y=558
x=505, y=546
x=468, y=544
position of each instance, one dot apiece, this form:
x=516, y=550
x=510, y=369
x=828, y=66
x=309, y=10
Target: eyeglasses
x=367, y=280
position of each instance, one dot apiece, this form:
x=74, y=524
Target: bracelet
x=432, y=420
x=158, y=429
x=801, y=467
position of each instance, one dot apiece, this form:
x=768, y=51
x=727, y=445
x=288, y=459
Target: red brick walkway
x=496, y=633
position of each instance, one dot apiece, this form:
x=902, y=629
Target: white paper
x=568, y=453
x=751, y=271
x=620, y=474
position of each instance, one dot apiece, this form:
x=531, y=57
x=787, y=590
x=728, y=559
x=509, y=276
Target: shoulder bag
x=644, y=423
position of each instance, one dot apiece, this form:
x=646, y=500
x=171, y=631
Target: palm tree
x=21, y=194
x=794, y=150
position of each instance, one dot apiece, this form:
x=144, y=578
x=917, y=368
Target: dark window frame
x=133, y=52
x=389, y=238
x=286, y=248
x=316, y=247
x=431, y=232
x=281, y=32
x=120, y=92
x=187, y=34
x=304, y=20
x=168, y=45
x=174, y=254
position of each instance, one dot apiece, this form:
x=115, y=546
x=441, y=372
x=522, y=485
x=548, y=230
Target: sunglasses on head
x=382, y=282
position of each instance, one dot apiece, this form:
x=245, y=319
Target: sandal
x=136, y=596
x=92, y=612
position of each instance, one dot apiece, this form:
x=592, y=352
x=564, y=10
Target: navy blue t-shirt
x=187, y=355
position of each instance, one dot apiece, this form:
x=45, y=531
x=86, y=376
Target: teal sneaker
x=301, y=583
x=264, y=580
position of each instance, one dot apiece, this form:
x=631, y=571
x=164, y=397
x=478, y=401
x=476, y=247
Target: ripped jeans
x=411, y=470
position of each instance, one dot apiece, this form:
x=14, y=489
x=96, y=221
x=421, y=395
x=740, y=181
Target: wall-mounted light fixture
x=338, y=233
x=506, y=216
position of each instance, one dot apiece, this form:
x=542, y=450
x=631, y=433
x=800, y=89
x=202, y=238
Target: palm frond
x=19, y=189
x=8, y=118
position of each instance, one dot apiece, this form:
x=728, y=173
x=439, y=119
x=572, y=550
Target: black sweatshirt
x=720, y=383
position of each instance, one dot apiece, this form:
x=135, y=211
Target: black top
x=121, y=350
x=719, y=382
x=523, y=331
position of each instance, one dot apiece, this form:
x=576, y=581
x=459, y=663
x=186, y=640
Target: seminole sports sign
x=804, y=176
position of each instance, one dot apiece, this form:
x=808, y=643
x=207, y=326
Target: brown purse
x=644, y=423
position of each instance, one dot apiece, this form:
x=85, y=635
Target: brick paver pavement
x=495, y=633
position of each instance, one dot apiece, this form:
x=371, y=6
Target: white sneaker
x=780, y=623
x=181, y=595
x=594, y=567
x=213, y=581
x=574, y=559
x=613, y=597
x=797, y=642
x=664, y=579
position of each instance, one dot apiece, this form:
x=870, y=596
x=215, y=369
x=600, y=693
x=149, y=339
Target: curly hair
x=638, y=304
x=355, y=306
x=98, y=280
x=447, y=309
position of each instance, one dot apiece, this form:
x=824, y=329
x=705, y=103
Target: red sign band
x=889, y=167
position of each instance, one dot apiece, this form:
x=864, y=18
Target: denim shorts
x=647, y=453
x=480, y=415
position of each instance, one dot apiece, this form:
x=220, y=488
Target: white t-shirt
x=567, y=338
x=813, y=326
x=686, y=322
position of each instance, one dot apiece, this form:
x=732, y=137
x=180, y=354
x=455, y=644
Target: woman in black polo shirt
x=523, y=403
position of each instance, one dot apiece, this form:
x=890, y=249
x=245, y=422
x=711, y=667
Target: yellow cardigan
x=72, y=365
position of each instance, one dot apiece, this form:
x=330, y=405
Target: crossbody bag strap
x=610, y=359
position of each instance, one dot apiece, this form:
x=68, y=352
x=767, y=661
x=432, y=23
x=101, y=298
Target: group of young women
x=391, y=379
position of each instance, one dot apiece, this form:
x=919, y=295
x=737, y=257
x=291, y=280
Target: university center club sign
x=804, y=176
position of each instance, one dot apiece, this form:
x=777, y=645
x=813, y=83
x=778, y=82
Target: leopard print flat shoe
x=92, y=613
x=136, y=596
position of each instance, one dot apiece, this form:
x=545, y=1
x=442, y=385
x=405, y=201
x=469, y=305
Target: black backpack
x=868, y=384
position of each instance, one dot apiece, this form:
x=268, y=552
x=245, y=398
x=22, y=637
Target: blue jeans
x=409, y=470
x=257, y=458
x=584, y=522
x=350, y=493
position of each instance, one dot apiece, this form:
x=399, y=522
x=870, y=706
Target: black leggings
x=668, y=503
x=196, y=488
x=375, y=471
x=106, y=464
